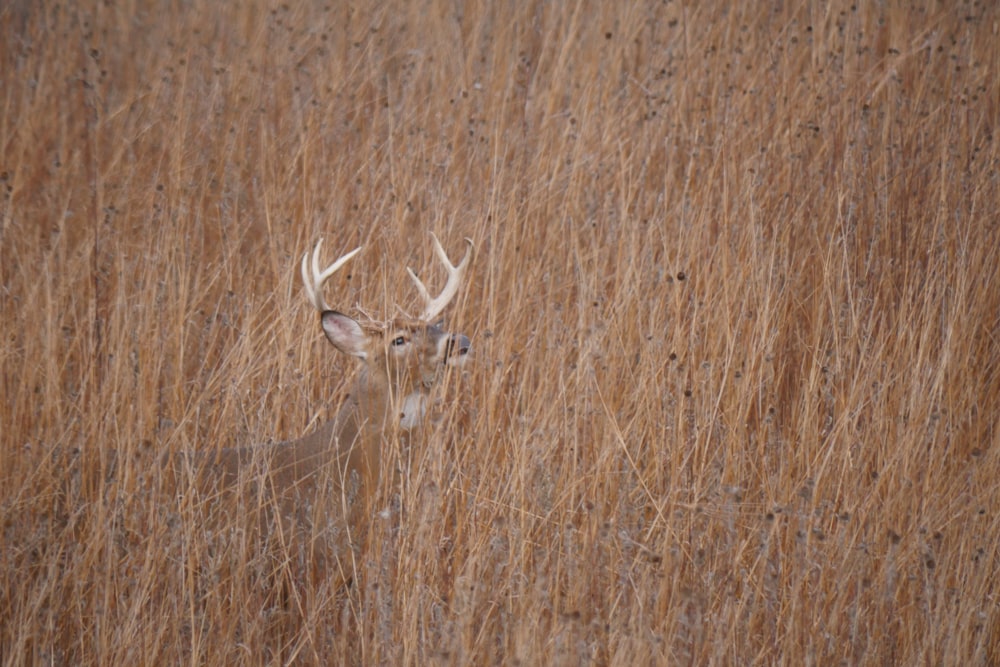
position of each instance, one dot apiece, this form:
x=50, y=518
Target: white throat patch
x=412, y=411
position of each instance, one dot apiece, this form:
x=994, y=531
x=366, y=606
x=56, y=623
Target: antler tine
x=435, y=305
x=314, y=285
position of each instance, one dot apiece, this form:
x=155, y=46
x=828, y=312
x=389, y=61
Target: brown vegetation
x=735, y=314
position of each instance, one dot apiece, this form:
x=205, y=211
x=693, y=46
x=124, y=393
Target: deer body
x=392, y=391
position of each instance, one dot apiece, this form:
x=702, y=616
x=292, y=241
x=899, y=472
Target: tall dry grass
x=735, y=306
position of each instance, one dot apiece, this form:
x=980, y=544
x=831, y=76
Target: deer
x=325, y=480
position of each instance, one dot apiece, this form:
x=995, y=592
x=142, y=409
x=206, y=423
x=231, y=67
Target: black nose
x=458, y=345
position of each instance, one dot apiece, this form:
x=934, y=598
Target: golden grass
x=735, y=306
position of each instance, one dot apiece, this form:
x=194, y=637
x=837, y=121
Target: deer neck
x=372, y=400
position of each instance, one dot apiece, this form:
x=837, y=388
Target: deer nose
x=458, y=346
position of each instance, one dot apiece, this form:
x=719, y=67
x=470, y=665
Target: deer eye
x=399, y=340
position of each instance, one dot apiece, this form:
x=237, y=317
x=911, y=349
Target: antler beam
x=314, y=286
x=435, y=305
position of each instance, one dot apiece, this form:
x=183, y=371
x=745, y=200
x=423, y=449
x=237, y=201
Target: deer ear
x=345, y=334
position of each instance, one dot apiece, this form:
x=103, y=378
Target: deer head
x=403, y=357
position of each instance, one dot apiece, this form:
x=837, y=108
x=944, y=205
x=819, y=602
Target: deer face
x=417, y=352
x=403, y=359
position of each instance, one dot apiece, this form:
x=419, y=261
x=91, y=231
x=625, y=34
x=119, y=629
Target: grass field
x=735, y=310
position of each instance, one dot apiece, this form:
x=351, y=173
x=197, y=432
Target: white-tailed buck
x=325, y=480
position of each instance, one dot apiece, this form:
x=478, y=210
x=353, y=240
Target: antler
x=437, y=304
x=314, y=287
